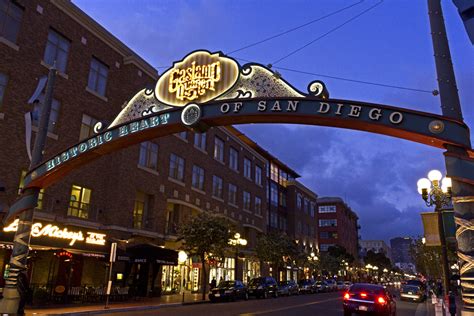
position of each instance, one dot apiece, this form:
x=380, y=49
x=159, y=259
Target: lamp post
x=312, y=259
x=182, y=257
x=236, y=242
x=436, y=192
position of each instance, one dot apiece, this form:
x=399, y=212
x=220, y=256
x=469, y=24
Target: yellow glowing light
x=199, y=77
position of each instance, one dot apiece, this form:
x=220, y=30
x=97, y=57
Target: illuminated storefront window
x=223, y=271
x=251, y=269
x=79, y=202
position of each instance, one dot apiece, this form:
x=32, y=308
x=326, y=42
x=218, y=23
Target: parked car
x=418, y=283
x=340, y=286
x=263, y=287
x=288, y=288
x=322, y=287
x=368, y=298
x=331, y=284
x=307, y=286
x=229, y=290
x=412, y=293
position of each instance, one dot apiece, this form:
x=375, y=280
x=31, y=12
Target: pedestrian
x=452, y=304
x=23, y=290
x=213, y=283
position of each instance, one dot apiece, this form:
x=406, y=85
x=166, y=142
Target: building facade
x=337, y=225
x=377, y=246
x=401, y=250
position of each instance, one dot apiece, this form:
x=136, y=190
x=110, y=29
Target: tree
x=203, y=235
x=428, y=259
x=378, y=259
x=276, y=248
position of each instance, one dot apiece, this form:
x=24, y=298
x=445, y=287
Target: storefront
x=224, y=270
x=61, y=259
x=251, y=270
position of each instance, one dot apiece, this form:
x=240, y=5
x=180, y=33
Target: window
x=325, y=247
x=283, y=178
x=312, y=231
x=57, y=50
x=299, y=201
x=148, y=155
x=282, y=198
x=176, y=167
x=200, y=140
x=327, y=222
x=274, y=194
x=98, y=77
x=183, y=135
x=247, y=168
x=328, y=235
x=283, y=223
x=87, y=126
x=39, y=205
x=53, y=116
x=306, y=206
x=233, y=158
x=274, y=172
x=139, y=209
x=217, y=187
x=246, y=205
x=3, y=86
x=327, y=209
x=299, y=227
x=79, y=202
x=10, y=20
x=218, y=149
x=273, y=219
x=312, y=206
x=232, y=194
x=258, y=206
x=258, y=175
x=198, y=178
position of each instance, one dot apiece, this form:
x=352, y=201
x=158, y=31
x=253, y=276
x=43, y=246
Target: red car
x=364, y=298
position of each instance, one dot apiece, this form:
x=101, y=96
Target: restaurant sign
x=51, y=231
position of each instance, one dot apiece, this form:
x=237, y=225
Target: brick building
x=137, y=196
x=337, y=225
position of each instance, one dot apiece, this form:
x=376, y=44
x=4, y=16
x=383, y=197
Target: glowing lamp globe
x=182, y=256
x=435, y=175
x=423, y=183
x=243, y=242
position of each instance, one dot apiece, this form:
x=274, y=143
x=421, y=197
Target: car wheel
x=265, y=294
x=246, y=296
x=275, y=294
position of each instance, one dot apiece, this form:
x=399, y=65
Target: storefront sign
x=199, y=77
x=52, y=231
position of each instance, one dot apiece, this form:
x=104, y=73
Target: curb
x=124, y=309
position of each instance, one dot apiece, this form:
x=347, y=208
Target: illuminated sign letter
x=339, y=108
x=396, y=118
x=375, y=116
x=225, y=107
x=123, y=131
x=292, y=106
x=50, y=165
x=276, y=107
x=108, y=136
x=324, y=107
x=262, y=106
x=199, y=77
x=355, y=111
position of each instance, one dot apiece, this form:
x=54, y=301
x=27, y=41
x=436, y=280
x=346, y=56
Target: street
x=327, y=304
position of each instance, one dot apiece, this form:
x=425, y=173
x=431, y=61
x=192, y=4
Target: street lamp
x=436, y=192
x=182, y=257
x=236, y=242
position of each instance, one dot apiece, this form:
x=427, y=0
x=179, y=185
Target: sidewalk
x=128, y=306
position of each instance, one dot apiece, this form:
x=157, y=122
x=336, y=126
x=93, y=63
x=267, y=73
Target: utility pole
x=21, y=242
x=459, y=166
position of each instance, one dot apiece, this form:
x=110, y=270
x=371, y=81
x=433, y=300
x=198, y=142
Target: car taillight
x=363, y=294
x=381, y=300
x=347, y=296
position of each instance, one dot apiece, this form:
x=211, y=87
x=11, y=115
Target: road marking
x=288, y=307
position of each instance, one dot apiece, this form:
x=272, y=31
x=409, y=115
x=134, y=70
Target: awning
x=145, y=253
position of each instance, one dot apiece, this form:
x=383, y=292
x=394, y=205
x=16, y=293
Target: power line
x=327, y=33
x=354, y=80
x=296, y=28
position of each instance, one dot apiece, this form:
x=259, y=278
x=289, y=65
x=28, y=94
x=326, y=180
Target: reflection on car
x=288, y=288
x=263, y=287
x=229, y=290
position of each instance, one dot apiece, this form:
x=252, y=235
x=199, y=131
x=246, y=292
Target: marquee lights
x=53, y=231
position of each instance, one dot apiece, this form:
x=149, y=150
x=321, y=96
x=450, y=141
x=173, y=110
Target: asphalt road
x=324, y=304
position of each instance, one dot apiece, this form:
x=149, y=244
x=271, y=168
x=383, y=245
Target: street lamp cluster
x=436, y=192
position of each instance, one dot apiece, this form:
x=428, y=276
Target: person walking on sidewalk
x=213, y=283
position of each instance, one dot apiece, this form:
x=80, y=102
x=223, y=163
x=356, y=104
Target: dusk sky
x=390, y=44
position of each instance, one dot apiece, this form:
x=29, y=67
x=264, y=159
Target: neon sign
x=53, y=231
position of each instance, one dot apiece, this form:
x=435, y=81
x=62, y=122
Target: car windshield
x=225, y=284
x=369, y=288
x=410, y=288
x=340, y=282
x=283, y=282
x=256, y=281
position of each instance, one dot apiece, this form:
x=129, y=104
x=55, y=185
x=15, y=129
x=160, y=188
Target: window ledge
x=218, y=199
x=96, y=94
x=184, y=140
x=200, y=149
x=247, y=211
x=259, y=216
x=181, y=183
x=62, y=74
x=250, y=179
x=235, y=170
x=219, y=161
x=3, y=40
x=233, y=205
x=198, y=190
x=149, y=170
x=50, y=135
x=2, y=116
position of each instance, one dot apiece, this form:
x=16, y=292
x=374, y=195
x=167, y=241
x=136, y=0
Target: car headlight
x=228, y=291
x=259, y=287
